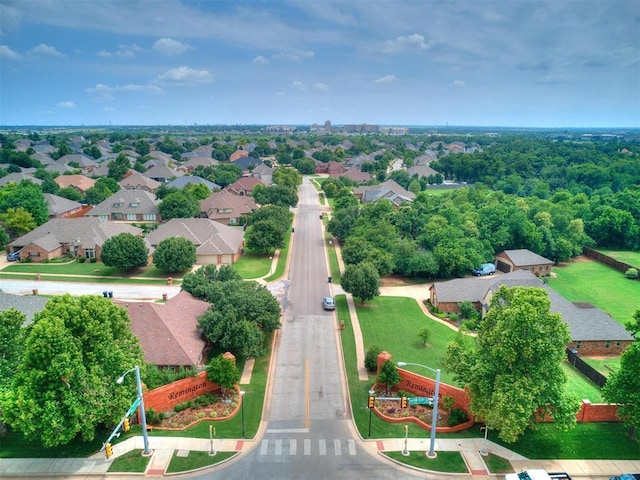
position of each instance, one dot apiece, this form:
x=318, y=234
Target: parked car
x=328, y=303
x=13, y=256
x=485, y=269
x=627, y=476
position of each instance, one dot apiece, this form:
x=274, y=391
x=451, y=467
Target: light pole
x=371, y=394
x=242, y=392
x=143, y=416
x=434, y=415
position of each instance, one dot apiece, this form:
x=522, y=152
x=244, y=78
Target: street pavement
x=163, y=448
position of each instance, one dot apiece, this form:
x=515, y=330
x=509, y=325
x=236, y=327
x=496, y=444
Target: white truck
x=535, y=474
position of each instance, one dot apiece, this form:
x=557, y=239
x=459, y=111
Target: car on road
x=328, y=303
x=627, y=476
x=13, y=256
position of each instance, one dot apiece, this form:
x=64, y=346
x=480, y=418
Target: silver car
x=328, y=303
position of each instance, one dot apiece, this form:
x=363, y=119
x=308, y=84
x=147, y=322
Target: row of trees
x=450, y=234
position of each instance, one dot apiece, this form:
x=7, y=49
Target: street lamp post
x=143, y=416
x=434, y=415
x=371, y=394
x=242, y=392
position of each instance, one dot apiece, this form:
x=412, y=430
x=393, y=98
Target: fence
x=586, y=369
x=607, y=260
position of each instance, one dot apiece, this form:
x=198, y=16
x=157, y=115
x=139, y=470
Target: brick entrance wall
x=165, y=398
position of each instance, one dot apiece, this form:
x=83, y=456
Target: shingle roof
x=168, y=333
x=137, y=180
x=525, y=258
x=81, y=182
x=208, y=236
x=225, y=204
x=125, y=201
x=59, y=205
x=27, y=304
x=182, y=182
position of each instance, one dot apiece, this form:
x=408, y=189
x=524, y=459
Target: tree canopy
x=175, y=254
x=361, y=280
x=515, y=372
x=179, y=204
x=65, y=384
x=125, y=251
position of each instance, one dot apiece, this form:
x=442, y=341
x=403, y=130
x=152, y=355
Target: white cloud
x=67, y=104
x=386, y=79
x=128, y=51
x=296, y=56
x=184, y=76
x=104, y=54
x=44, y=50
x=6, y=52
x=404, y=43
x=169, y=46
x=297, y=84
x=260, y=60
x=108, y=109
x=321, y=87
x=105, y=92
x=280, y=93
x=458, y=83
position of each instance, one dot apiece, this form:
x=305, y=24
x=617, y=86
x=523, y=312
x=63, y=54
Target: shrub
x=183, y=406
x=153, y=417
x=453, y=317
x=456, y=417
x=82, y=259
x=93, y=260
x=371, y=358
x=631, y=273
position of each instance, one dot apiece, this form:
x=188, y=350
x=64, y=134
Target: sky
x=516, y=63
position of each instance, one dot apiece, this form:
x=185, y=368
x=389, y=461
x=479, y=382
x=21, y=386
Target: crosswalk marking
x=293, y=446
x=308, y=447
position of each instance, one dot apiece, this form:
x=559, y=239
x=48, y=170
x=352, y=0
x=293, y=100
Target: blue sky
x=558, y=63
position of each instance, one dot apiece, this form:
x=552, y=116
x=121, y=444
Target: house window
x=149, y=217
x=117, y=216
x=117, y=205
x=578, y=345
x=131, y=216
x=89, y=253
x=618, y=344
x=608, y=344
x=34, y=254
x=134, y=204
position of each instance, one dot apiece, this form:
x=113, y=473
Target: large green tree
x=65, y=385
x=179, y=204
x=623, y=388
x=175, y=254
x=119, y=167
x=223, y=371
x=125, y=251
x=11, y=339
x=26, y=195
x=515, y=374
x=265, y=236
x=361, y=280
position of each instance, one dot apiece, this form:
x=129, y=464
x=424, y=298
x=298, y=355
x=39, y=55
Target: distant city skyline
x=544, y=64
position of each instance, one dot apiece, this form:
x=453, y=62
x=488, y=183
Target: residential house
x=134, y=180
x=128, y=206
x=331, y=167
x=215, y=243
x=422, y=171
x=389, y=190
x=84, y=162
x=80, y=237
x=264, y=173
x=238, y=154
x=81, y=183
x=182, y=182
x=227, y=208
x=168, y=333
x=244, y=186
x=28, y=305
x=355, y=175
x=247, y=164
x=17, y=177
x=523, y=259
x=593, y=332
x=198, y=161
x=60, y=207
x=162, y=173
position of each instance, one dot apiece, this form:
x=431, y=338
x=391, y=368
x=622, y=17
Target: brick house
x=523, y=259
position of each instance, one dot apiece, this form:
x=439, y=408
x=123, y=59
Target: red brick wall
x=597, y=412
x=599, y=348
x=163, y=399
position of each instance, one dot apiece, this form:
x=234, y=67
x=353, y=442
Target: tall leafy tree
x=265, y=236
x=65, y=385
x=515, y=373
x=125, y=251
x=179, y=204
x=388, y=376
x=17, y=221
x=11, y=321
x=361, y=280
x=223, y=371
x=175, y=254
x=26, y=195
x=623, y=388
x=119, y=167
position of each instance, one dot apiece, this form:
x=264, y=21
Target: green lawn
x=130, y=462
x=97, y=269
x=600, y=285
x=626, y=256
x=606, y=366
x=251, y=265
x=281, y=267
x=196, y=460
x=451, y=462
x=581, y=386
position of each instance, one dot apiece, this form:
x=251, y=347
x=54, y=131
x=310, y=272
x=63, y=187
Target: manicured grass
x=251, y=265
x=586, y=441
x=282, y=261
x=14, y=445
x=196, y=460
x=497, y=465
x=581, y=386
x=451, y=462
x=393, y=323
x=334, y=267
x=626, y=256
x=606, y=366
x=600, y=285
x=132, y=462
x=97, y=269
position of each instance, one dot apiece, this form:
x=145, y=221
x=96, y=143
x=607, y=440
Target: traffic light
x=108, y=450
x=372, y=401
x=403, y=402
x=125, y=424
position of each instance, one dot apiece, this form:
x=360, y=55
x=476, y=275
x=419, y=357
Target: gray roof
x=525, y=258
x=209, y=237
x=17, y=177
x=389, y=189
x=126, y=201
x=86, y=232
x=182, y=182
x=138, y=180
x=29, y=305
x=585, y=324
